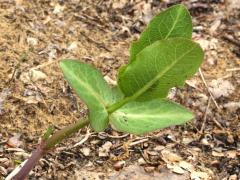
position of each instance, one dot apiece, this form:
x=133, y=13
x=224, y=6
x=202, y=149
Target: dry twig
x=205, y=115
x=114, y=137
x=206, y=85
x=88, y=134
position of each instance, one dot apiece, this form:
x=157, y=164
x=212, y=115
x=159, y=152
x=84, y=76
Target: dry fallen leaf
x=104, y=150
x=159, y=148
x=149, y=169
x=119, y=4
x=204, y=43
x=198, y=175
x=73, y=46
x=110, y=81
x=169, y=156
x=36, y=75
x=221, y=87
x=15, y=141
x=214, y=26
x=5, y=162
x=187, y=166
x=176, y=169
x=233, y=4
x=193, y=83
x=141, y=161
x=232, y=106
x=58, y=9
x=3, y=96
x=32, y=75
x=152, y=153
x=231, y=154
x=3, y=171
x=217, y=154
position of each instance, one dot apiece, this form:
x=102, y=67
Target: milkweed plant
x=163, y=57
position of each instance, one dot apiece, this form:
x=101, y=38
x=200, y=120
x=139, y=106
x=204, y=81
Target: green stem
x=60, y=135
x=117, y=105
x=46, y=144
x=124, y=101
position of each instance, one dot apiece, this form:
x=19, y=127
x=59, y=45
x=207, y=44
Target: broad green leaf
x=116, y=94
x=159, y=67
x=143, y=117
x=92, y=89
x=173, y=22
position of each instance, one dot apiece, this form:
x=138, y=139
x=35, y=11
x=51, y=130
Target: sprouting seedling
x=163, y=57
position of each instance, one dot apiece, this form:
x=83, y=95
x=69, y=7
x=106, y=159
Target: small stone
x=230, y=139
x=119, y=165
x=149, y=169
x=86, y=151
x=141, y=161
x=89, y=164
x=104, y=150
x=187, y=140
x=204, y=141
x=32, y=41
x=145, y=145
x=73, y=46
x=36, y=75
x=58, y=9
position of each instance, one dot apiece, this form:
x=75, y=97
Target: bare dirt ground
x=35, y=35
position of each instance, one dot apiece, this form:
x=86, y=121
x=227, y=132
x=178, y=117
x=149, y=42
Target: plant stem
x=31, y=162
x=46, y=145
x=117, y=105
x=124, y=101
x=61, y=134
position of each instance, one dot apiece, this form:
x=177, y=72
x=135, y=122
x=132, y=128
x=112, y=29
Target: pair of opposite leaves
x=163, y=57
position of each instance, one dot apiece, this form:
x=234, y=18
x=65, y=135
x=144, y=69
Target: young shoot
x=162, y=58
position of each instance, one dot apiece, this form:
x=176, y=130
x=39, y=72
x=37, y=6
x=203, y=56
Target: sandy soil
x=35, y=35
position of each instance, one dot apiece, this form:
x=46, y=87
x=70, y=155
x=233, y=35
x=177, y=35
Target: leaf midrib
x=142, y=116
x=175, y=22
x=95, y=94
x=158, y=76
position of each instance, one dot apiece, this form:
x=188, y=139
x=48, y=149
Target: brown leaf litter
x=35, y=35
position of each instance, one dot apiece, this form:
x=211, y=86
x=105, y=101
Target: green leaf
x=173, y=22
x=159, y=67
x=116, y=94
x=142, y=117
x=92, y=89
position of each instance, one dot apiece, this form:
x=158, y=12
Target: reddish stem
x=46, y=145
x=31, y=162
